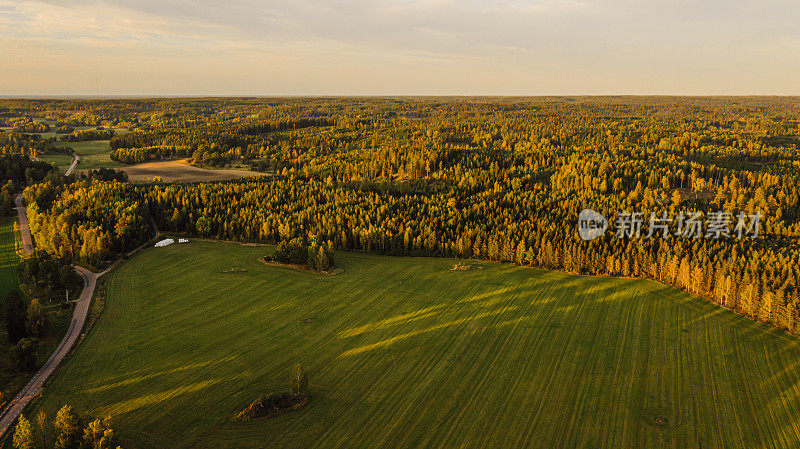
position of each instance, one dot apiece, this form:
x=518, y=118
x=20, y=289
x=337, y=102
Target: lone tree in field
x=41, y=421
x=68, y=428
x=299, y=379
x=23, y=434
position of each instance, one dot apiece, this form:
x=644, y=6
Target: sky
x=399, y=47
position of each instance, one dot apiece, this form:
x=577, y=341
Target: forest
x=499, y=179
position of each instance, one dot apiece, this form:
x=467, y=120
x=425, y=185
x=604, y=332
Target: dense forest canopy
x=491, y=178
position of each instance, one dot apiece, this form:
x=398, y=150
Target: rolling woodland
x=499, y=179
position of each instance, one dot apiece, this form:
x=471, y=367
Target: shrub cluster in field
x=105, y=174
x=279, y=403
x=313, y=255
x=273, y=405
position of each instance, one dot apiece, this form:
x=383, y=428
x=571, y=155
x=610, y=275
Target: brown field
x=180, y=171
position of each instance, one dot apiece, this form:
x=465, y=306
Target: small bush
x=273, y=405
x=276, y=404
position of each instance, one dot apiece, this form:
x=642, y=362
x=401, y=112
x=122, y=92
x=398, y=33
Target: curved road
x=34, y=386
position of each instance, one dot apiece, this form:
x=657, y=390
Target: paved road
x=75, y=160
x=34, y=387
x=24, y=229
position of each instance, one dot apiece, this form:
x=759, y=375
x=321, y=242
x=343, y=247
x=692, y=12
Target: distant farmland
x=181, y=171
x=403, y=352
x=94, y=154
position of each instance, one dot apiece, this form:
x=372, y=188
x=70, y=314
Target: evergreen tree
x=520, y=253
x=321, y=261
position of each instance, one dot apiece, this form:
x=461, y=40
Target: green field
x=403, y=352
x=61, y=160
x=94, y=154
x=8, y=256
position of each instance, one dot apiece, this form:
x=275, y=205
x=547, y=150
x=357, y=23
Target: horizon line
x=557, y=95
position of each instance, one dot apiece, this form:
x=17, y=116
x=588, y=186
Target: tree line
x=67, y=430
x=88, y=134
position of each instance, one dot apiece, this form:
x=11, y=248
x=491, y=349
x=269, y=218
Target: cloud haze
x=505, y=47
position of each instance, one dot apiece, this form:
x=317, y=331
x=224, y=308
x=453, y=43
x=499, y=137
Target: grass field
x=8, y=256
x=403, y=352
x=61, y=160
x=94, y=154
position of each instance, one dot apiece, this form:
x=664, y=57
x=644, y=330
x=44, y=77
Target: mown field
x=403, y=352
x=8, y=257
x=94, y=154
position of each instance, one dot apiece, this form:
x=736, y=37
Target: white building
x=164, y=242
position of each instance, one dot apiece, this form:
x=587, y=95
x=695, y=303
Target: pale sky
x=399, y=47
